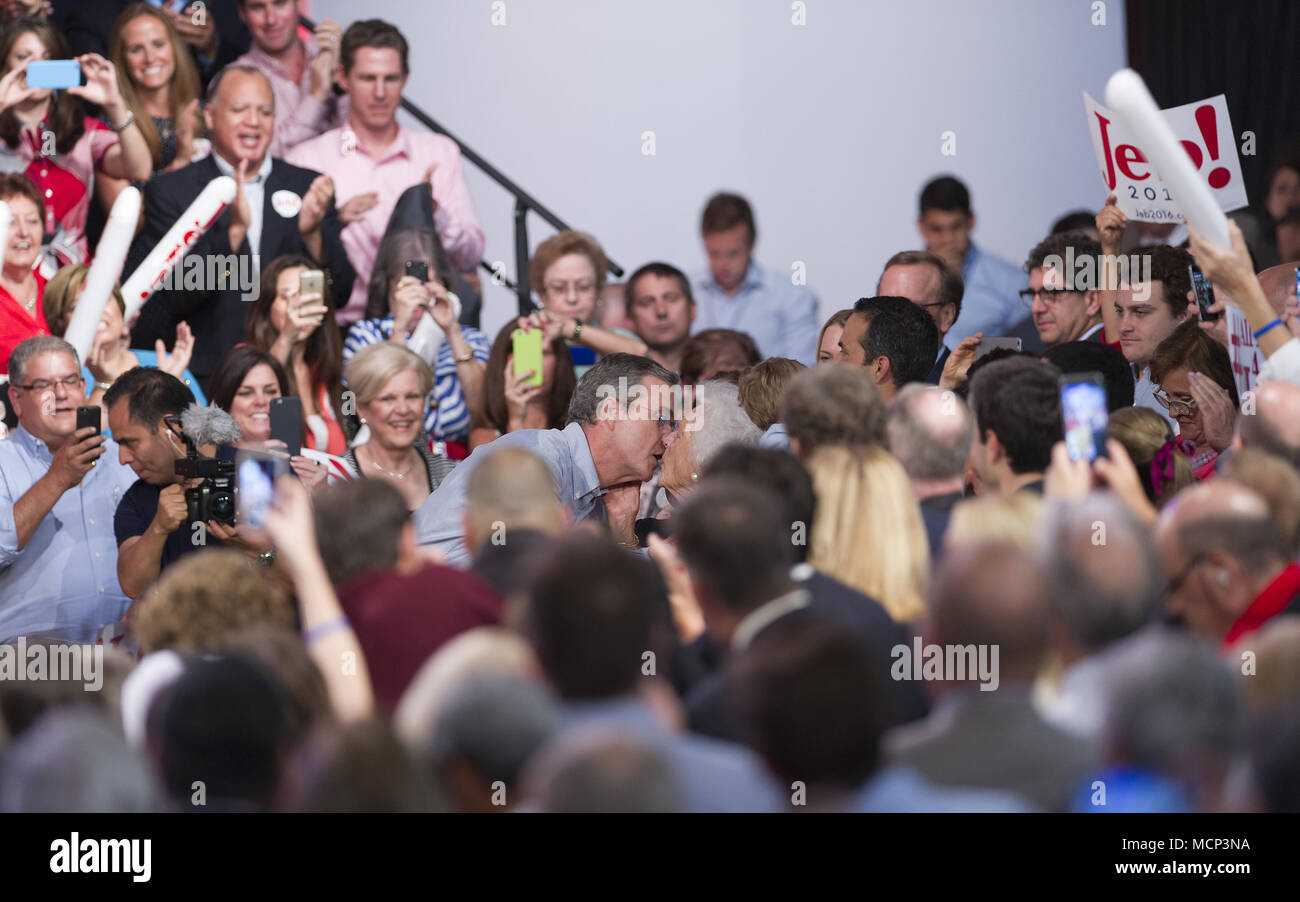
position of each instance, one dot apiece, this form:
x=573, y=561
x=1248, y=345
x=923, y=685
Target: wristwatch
x=267, y=558
x=577, y=327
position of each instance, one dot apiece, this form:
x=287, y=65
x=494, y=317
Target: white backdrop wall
x=829, y=127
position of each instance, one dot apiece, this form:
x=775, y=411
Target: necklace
x=374, y=463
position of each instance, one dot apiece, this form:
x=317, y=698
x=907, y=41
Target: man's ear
x=209, y=118
x=947, y=316
x=1092, y=302
x=993, y=448
x=882, y=370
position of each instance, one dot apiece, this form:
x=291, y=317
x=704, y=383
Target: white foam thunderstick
x=1129, y=99
x=5, y=219
x=189, y=228
x=104, y=271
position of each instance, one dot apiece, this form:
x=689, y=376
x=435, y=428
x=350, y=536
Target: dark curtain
x=1248, y=50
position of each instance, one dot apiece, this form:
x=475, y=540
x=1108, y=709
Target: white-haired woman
x=715, y=419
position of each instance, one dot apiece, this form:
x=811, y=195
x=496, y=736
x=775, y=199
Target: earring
x=363, y=421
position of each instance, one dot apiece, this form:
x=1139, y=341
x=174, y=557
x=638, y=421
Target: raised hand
x=74, y=460
x=1218, y=416
x=357, y=207
x=101, y=82
x=1111, y=221
x=13, y=87
x=328, y=34
x=314, y=204
x=519, y=393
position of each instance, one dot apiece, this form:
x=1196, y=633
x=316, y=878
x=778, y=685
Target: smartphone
x=255, y=476
x=311, y=281
x=418, y=268
x=90, y=416
x=1085, y=415
x=55, y=74
x=992, y=344
x=528, y=353
x=1204, y=292
x=286, y=423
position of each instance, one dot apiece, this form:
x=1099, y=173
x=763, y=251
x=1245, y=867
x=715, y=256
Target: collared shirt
x=566, y=455
x=255, y=192
x=991, y=302
x=781, y=317
x=1276, y=597
x=298, y=115
x=447, y=420
x=1093, y=333
x=63, y=582
x=339, y=154
x=765, y=614
x=1144, y=395
x=776, y=437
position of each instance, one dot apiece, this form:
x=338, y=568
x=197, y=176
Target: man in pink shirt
x=372, y=160
x=301, y=75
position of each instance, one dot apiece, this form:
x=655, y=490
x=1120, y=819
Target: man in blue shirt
x=621, y=421
x=59, y=490
x=737, y=293
x=991, y=301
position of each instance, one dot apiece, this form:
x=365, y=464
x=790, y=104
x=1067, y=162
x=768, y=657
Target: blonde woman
x=868, y=532
x=1015, y=518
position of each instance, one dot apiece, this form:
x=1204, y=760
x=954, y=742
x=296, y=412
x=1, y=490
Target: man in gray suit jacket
x=984, y=731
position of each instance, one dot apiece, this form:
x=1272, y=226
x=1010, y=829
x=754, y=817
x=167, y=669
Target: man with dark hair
x=1096, y=356
x=1017, y=407
x=832, y=405
x=737, y=293
x=1062, y=310
x=661, y=308
x=1148, y=312
x=895, y=340
x=931, y=433
x=1077, y=221
x=990, y=600
x=143, y=407
x=592, y=619
x=373, y=159
x=931, y=284
x=990, y=303
x=621, y=420
x=1227, y=566
x=59, y=488
x=278, y=209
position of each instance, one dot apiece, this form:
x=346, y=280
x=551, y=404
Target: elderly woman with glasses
x=1196, y=386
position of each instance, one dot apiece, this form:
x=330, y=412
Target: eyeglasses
x=666, y=424
x=1175, y=406
x=43, y=385
x=1049, y=295
x=929, y=307
x=1177, y=582
x=559, y=290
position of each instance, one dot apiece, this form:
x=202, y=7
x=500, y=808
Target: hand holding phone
x=255, y=476
x=90, y=416
x=1085, y=415
x=286, y=423
x=527, y=347
x=418, y=269
x=1204, y=293
x=992, y=344
x=58, y=75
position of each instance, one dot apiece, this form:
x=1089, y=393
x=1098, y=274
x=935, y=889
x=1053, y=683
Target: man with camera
x=144, y=413
x=58, y=493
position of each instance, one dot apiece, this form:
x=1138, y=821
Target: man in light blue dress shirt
x=59, y=489
x=621, y=421
x=737, y=293
x=991, y=302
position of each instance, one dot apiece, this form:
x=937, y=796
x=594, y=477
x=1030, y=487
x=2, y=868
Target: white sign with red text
x=1246, y=359
x=1204, y=130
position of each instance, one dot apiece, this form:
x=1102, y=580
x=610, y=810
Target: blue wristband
x=1261, y=330
x=321, y=630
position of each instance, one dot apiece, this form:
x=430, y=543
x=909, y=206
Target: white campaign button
x=286, y=203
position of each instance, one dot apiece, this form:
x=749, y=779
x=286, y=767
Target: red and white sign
x=1246, y=359
x=1205, y=132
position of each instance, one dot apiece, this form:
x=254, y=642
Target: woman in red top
x=44, y=131
x=21, y=288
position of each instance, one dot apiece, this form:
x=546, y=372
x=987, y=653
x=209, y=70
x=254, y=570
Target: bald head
x=1275, y=425
x=510, y=489
x=992, y=595
x=930, y=432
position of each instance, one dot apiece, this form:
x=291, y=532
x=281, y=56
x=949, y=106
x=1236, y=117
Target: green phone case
x=528, y=353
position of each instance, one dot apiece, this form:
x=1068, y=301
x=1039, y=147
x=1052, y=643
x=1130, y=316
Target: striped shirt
x=448, y=419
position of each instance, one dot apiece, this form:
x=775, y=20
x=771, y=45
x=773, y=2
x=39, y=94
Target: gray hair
x=719, y=420
x=930, y=432
x=597, y=770
x=34, y=347
x=496, y=723
x=1104, y=569
x=1171, y=701
x=214, y=87
x=609, y=377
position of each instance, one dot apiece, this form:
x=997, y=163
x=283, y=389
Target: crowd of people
x=693, y=547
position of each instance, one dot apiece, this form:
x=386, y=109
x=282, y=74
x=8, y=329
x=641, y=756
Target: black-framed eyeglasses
x=1175, y=406
x=44, y=385
x=1049, y=295
x=1177, y=582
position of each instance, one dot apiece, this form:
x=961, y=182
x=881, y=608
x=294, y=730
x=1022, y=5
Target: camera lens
x=222, y=506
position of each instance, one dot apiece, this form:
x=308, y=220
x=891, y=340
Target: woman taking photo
x=245, y=383
x=298, y=331
x=511, y=401
x=44, y=133
x=396, y=312
x=392, y=385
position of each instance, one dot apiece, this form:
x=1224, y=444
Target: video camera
x=214, y=498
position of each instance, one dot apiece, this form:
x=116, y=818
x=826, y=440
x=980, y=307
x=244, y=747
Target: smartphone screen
x=53, y=74
x=1085, y=415
x=286, y=423
x=419, y=269
x=255, y=476
x=528, y=354
x=1204, y=292
x=90, y=416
